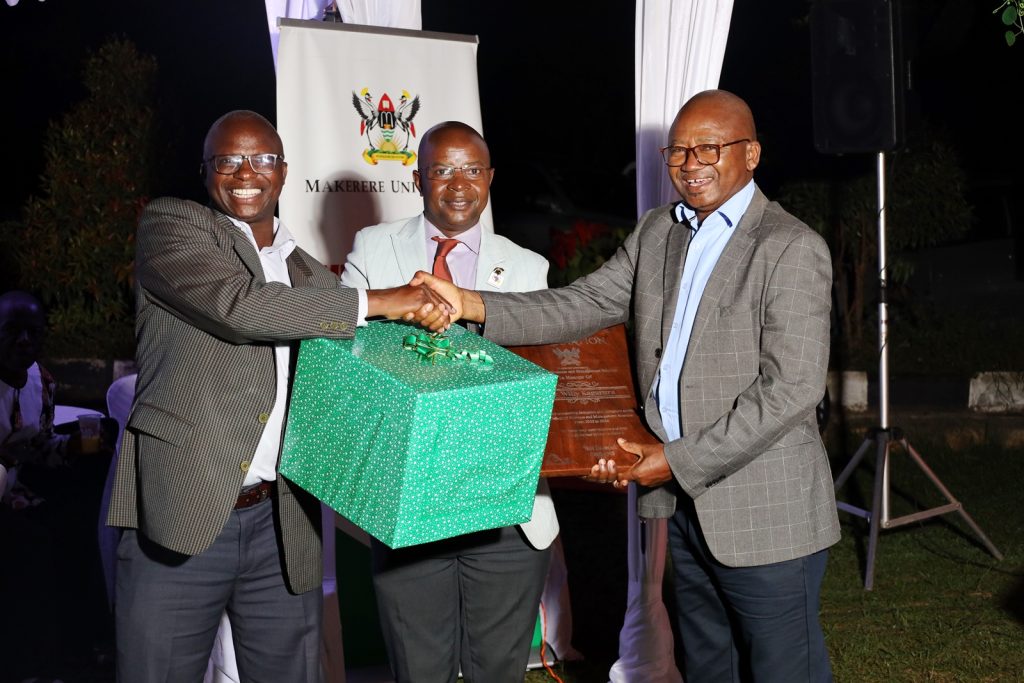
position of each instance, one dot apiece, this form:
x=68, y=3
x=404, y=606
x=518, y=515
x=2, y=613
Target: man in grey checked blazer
x=221, y=294
x=731, y=350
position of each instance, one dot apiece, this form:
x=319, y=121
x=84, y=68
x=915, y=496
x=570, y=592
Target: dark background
x=556, y=85
x=557, y=91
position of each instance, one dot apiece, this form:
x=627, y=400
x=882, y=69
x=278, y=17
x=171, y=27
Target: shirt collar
x=283, y=242
x=731, y=211
x=471, y=237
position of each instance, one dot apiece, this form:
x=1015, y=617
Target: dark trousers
x=168, y=607
x=470, y=601
x=746, y=623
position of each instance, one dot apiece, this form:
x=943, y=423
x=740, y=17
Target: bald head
x=725, y=104
x=441, y=133
x=242, y=118
x=722, y=123
x=17, y=299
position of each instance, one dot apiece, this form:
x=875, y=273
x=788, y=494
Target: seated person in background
x=45, y=575
x=26, y=396
x=469, y=601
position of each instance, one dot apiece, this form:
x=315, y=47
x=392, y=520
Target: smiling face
x=245, y=194
x=453, y=205
x=714, y=117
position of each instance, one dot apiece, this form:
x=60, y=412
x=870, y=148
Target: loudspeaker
x=856, y=76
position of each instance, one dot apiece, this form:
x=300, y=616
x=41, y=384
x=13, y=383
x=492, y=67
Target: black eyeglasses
x=448, y=172
x=706, y=155
x=228, y=164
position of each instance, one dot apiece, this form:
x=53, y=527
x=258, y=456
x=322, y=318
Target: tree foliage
x=75, y=239
x=926, y=204
x=1011, y=13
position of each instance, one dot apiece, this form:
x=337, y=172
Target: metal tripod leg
x=880, y=438
x=878, y=515
x=878, y=500
x=854, y=461
x=954, y=505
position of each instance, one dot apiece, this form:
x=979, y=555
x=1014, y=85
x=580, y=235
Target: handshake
x=428, y=301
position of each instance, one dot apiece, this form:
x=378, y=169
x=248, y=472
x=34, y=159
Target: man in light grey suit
x=730, y=297
x=221, y=294
x=471, y=600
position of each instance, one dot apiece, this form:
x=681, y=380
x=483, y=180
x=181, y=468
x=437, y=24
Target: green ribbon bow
x=435, y=346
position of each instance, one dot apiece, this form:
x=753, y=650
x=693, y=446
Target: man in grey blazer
x=221, y=293
x=471, y=600
x=730, y=297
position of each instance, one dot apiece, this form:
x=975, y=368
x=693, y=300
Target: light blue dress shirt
x=706, y=246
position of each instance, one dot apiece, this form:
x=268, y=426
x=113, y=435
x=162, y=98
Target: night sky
x=557, y=88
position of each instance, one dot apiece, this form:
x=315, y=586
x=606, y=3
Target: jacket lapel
x=243, y=247
x=409, y=244
x=488, y=262
x=298, y=269
x=675, y=257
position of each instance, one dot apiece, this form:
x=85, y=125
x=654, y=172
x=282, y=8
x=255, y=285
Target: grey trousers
x=469, y=602
x=168, y=606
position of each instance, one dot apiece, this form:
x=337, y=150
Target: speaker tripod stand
x=884, y=437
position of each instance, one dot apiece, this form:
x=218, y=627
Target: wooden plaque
x=595, y=402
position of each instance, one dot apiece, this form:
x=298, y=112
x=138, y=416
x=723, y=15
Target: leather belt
x=251, y=495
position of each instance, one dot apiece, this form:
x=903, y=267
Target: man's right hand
x=410, y=302
x=466, y=303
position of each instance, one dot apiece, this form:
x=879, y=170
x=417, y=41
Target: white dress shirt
x=274, y=260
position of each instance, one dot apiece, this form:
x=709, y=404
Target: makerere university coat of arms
x=388, y=130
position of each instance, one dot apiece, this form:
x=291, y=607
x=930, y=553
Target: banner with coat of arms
x=352, y=105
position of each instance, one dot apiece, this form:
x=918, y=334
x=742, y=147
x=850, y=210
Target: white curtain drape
x=390, y=13
x=290, y=9
x=679, y=48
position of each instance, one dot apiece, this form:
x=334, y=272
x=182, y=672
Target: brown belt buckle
x=256, y=494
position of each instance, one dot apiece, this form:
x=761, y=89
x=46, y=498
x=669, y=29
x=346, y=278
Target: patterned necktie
x=17, y=423
x=444, y=246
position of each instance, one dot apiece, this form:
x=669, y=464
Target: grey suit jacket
x=389, y=254
x=206, y=322
x=750, y=456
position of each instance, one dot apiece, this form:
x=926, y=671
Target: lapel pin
x=497, y=277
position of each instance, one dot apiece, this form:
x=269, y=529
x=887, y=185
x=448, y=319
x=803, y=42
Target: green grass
x=942, y=609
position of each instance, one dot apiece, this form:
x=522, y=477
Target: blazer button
x=264, y=418
x=657, y=353
x=244, y=466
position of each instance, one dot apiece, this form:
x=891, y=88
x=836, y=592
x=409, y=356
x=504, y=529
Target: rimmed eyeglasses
x=706, y=154
x=228, y=164
x=448, y=172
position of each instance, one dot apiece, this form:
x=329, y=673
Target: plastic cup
x=89, y=428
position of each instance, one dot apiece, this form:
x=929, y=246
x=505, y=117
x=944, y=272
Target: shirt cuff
x=364, y=306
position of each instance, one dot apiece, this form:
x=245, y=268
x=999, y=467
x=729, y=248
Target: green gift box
x=413, y=448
